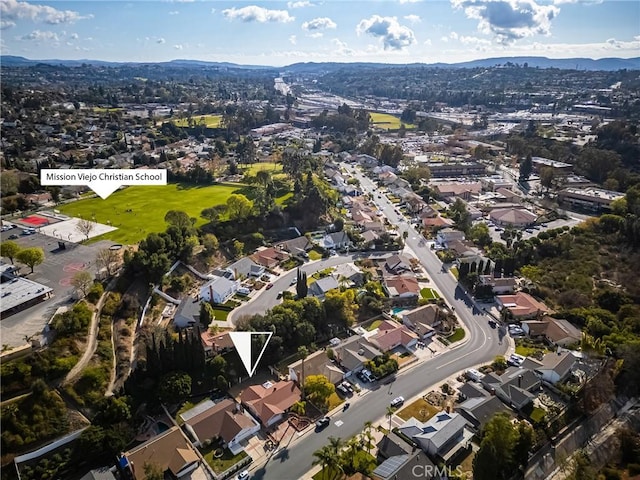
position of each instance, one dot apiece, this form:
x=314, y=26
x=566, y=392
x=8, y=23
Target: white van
x=473, y=374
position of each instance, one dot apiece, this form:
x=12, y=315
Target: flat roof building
x=591, y=198
x=17, y=293
x=559, y=168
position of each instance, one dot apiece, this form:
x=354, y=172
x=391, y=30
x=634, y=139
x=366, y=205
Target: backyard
x=222, y=463
x=210, y=121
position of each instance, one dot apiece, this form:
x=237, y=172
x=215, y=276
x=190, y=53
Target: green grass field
x=429, y=294
x=274, y=168
x=148, y=207
x=390, y=122
x=210, y=121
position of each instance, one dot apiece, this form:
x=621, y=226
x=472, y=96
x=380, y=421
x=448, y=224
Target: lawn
x=456, y=336
x=186, y=406
x=390, y=122
x=537, y=415
x=210, y=121
x=314, y=255
x=226, y=461
x=429, y=293
x=527, y=351
x=274, y=168
x=420, y=409
x=375, y=324
x=139, y=210
x=334, y=401
x=454, y=271
x=328, y=473
x=221, y=315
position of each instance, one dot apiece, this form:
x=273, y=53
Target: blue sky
x=284, y=32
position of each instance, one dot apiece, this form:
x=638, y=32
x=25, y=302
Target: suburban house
x=366, y=161
x=423, y=320
x=245, y=267
x=522, y=306
x=465, y=191
x=500, y=286
x=408, y=465
x=354, y=352
x=390, y=335
x=269, y=402
x=319, y=288
x=386, y=177
x=512, y=216
x=392, y=445
x=269, y=257
x=218, y=290
x=336, y=240
x=170, y=450
x=554, y=330
x=348, y=272
x=513, y=387
x=446, y=235
x=316, y=364
x=554, y=367
x=402, y=287
x=432, y=224
x=295, y=246
x=471, y=390
x=396, y=265
x=214, y=344
x=188, y=313
x=479, y=410
x=509, y=195
x=441, y=437
x=225, y=420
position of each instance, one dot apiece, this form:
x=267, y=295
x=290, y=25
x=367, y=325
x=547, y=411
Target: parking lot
x=57, y=271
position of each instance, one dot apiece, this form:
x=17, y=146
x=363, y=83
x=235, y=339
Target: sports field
x=210, y=121
x=137, y=211
x=385, y=120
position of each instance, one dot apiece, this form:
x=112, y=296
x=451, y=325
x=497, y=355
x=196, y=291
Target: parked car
x=269, y=286
x=243, y=475
x=396, y=402
x=13, y=237
x=322, y=423
x=492, y=323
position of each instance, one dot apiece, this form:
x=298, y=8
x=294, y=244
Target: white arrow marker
x=242, y=342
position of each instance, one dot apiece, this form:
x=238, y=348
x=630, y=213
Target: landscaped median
x=456, y=336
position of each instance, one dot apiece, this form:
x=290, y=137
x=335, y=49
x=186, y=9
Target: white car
x=243, y=475
x=396, y=402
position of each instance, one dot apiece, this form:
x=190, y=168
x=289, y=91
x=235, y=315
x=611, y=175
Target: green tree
x=174, y=387
x=31, y=257
x=547, y=176
x=9, y=249
x=210, y=244
x=480, y=235
x=318, y=388
x=222, y=383
x=238, y=248
x=302, y=289
x=495, y=459
x=179, y=219
x=153, y=472
x=526, y=168
x=207, y=314
x=303, y=353
x=341, y=306
x=239, y=207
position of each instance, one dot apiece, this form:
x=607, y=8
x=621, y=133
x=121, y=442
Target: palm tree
x=390, y=412
x=367, y=436
x=303, y=352
x=324, y=457
x=353, y=447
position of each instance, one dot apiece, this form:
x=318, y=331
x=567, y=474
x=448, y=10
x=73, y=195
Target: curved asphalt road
x=482, y=344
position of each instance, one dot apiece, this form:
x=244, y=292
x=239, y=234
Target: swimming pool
x=397, y=310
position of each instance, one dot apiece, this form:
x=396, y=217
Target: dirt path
x=92, y=339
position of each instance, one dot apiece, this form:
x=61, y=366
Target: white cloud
x=160, y=41
x=341, y=48
x=585, y=2
x=412, y=18
x=427, y=42
x=409, y=1
x=394, y=36
x=300, y=4
x=320, y=23
x=74, y=36
x=315, y=35
x=174, y=12
x=253, y=13
x=509, y=20
x=469, y=40
x=12, y=10
x=40, y=36
x=4, y=24
x=293, y=40
x=178, y=47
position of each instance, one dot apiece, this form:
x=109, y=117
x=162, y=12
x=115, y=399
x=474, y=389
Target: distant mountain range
x=534, y=62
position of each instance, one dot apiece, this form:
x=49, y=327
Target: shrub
x=95, y=292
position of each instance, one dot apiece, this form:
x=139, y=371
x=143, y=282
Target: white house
x=554, y=367
x=336, y=240
x=218, y=290
x=446, y=235
x=441, y=437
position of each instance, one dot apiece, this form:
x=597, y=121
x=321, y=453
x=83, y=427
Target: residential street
x=482, y=345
